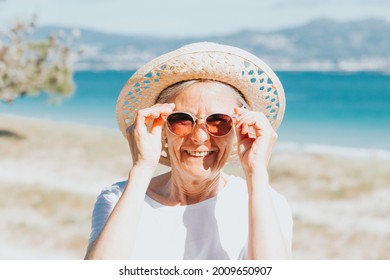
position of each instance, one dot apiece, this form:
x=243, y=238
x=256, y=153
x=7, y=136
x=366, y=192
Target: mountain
x=322, y=45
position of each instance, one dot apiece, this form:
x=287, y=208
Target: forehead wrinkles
x=206, y=98
x=194, y=103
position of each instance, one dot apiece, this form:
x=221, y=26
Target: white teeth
x=198, y=154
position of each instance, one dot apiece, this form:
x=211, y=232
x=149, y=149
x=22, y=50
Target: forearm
x=265, y=236
x=116, y=240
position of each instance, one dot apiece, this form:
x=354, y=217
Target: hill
x=321, y=45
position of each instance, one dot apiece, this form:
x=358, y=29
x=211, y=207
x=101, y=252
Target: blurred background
x=63, y=63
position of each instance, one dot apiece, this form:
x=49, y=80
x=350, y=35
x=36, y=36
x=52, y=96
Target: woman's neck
x=184, y=190
x=190, y=190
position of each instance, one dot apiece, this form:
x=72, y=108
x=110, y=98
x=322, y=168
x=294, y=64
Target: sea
x=324, y=109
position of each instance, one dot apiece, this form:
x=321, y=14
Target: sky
x=183, y=18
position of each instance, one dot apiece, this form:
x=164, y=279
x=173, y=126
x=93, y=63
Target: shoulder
x=112, y=193
x=116, y=188
x=104, y=204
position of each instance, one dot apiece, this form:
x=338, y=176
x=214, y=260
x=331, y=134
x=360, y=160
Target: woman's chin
x=199, y=166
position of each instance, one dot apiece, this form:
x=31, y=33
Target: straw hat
x=256, y=81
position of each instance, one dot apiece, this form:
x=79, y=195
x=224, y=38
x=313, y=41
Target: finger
x=155, y=112
x=166, y=109
x=165, y=104
x=248, y=119
x=240, y=135
x=157, y=126
x=147, y=115
x=263, y=126
x=251, y=124
x=244, y=129
x=257, y=126
x=257, y=119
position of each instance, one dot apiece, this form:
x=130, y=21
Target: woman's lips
x=198, y=153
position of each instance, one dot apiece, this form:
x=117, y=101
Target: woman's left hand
x=255, y=139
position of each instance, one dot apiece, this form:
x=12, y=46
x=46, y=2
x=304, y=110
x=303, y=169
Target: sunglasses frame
x=196, y=118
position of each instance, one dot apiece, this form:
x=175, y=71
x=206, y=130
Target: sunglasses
x=182, y=123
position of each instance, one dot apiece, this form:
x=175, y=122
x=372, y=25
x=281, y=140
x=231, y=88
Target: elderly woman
x=195, y=109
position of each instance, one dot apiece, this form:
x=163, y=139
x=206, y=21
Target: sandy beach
x=51, y=173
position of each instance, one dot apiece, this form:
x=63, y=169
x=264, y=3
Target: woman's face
x=199, y=154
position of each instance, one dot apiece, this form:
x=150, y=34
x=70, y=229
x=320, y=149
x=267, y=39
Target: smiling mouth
x=198, y=154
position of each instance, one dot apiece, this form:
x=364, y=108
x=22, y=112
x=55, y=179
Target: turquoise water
x=331, y=108
x=346, y=109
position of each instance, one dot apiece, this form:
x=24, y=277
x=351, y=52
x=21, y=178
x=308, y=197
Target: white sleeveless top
x=216, y=228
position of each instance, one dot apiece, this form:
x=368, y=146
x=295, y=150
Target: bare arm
x=256, y=138
x=116, y=239
x=266, y=239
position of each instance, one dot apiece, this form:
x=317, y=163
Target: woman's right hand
x=145, y=144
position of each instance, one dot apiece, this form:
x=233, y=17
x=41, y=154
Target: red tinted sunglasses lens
x=180, y=124
x=219, y=124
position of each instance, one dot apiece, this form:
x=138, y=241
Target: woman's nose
x=199, y=134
